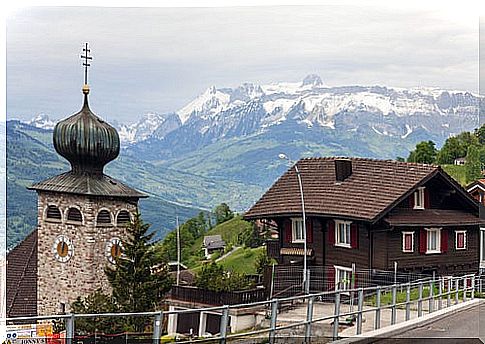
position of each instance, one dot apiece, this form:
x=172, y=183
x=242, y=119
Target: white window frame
x=338, y=241
x=294, y=223
x=404, y=242
x=347, y=285
x=464, y=240
x=482, y=248
x=419, y=198
x=438, y=240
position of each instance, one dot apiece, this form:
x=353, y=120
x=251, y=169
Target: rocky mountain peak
x=312, y=80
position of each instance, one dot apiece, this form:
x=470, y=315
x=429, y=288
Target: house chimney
x=343, y=169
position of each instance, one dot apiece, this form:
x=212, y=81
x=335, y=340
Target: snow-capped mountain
x=42, y=121
x=379, y=121
x=250, y=108
x=150, y=125
x=387, y=111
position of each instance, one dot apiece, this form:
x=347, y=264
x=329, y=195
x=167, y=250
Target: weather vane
x=86, y=63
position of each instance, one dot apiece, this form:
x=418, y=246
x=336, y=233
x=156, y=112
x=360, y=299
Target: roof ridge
x=326, y=158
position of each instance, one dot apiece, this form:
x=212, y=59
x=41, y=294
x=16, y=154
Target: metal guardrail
x=451, y=290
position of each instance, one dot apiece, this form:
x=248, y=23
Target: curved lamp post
x=283, y=156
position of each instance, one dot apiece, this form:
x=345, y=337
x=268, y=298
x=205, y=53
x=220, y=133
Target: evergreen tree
x=138, y=280
x=97, y=302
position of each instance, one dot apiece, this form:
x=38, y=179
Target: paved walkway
x=465, y=324
x=348, y=329
x=234, y=249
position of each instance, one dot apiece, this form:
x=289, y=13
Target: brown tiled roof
x=373, y=188
x=22, y=278
x=86, y=184
x=431, y=217
x=187, y=277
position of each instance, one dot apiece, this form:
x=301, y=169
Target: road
x=467, y=326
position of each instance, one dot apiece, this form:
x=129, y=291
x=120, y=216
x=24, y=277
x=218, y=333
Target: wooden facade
x=431, y=211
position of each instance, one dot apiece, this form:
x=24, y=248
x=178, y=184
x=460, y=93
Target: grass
x=243, y=260
x=386, y=297
x=228, y=230
x=457, y=172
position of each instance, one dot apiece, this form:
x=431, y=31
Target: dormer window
x=419, y=198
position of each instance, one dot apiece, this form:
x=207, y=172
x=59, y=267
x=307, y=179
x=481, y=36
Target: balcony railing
x=208, y=297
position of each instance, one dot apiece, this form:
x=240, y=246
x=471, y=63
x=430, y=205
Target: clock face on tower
x=63, y=248
x=114, y=249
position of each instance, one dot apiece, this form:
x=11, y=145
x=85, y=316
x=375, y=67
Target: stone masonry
x=62, y=282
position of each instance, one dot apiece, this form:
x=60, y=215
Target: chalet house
x=459, y=161
x=373, y=213
x=477, y=190
x=211, y=244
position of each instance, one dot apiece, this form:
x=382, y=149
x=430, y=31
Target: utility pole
x=178, y=250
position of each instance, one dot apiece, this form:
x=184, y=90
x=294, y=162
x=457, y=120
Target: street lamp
x=283, y=156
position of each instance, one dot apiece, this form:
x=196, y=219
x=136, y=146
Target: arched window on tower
x=53, y=213
x=74, y=215
x=123, y=218
x=103, y=218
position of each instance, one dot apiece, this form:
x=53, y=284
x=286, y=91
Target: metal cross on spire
x=86, y=63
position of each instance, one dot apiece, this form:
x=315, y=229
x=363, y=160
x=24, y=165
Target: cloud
x=158, y=59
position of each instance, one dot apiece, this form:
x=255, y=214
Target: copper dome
x=86, y=141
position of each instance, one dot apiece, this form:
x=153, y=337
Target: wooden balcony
x=208, y=297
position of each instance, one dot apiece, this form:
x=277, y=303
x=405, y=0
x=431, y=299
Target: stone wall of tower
x=62, y=282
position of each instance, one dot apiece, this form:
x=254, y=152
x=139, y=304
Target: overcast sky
x=158, y=59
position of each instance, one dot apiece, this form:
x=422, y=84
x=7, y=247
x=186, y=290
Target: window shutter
x=407, y=241
x=309, y=230
x=459, y=240
x=427, y=203
x=411, y=201
x=422, y=241
x=288, y=230
x=354, y=236
x=331, y=232
x=444, y=240
x=331, y=278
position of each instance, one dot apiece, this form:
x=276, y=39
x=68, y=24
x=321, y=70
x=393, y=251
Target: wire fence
x=287, y=280
x=324, y=316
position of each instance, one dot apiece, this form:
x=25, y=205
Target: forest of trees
x=470, y=146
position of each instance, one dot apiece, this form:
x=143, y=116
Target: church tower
x=81, y=213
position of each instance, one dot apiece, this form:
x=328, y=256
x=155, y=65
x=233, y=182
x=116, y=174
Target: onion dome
x=86, y=141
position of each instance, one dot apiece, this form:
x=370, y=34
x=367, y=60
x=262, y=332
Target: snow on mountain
x=150, y=125
x=388, y=111
x=211, y=101
x=42, y=121
x=251, y=108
